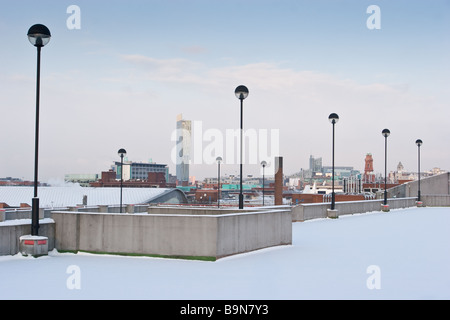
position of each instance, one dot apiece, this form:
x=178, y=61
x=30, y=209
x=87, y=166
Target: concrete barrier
x=434, y=185
x=214, y=236
x=310, y=211
x=10, y=233
x=435, y=200
x=201, y=210
x=19, y=213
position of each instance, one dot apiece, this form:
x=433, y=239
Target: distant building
x=369, y=176
x=139, y=170
x=183, y=148
x=9, y=181
x=315, y=164
x=82, y=179
x=340, y=171
x=51, y=197
x=153, y=180
x=135, y=175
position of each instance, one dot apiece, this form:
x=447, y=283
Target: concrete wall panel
x=185, y=235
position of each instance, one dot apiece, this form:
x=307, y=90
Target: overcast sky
x=118, y=74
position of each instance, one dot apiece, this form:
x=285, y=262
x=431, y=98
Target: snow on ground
x=403, y=254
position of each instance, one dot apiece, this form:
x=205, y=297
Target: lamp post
x=263, y=163
x=334, y=118
x=218, y=159
x=121, y=154
x=241, y=93
x=39, y=36
x=418, y=143
x=385, y=134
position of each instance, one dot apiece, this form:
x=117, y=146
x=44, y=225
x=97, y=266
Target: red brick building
x=154, y=180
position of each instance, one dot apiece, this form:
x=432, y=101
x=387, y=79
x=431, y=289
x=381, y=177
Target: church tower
x=368, y=169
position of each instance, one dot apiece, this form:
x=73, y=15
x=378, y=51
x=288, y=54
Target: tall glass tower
x=183, y=149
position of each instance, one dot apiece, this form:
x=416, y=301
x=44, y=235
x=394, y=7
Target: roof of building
x=73, y=195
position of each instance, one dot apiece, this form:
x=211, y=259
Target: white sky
x=120, y=81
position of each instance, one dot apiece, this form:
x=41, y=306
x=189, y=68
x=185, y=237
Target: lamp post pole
x=121, y=153
x=241, y=93
x=334, y=118
x=385, y=134
x=218, y=159
x=418, y=143
x=121, y=181
x=35, y=200
x=38, y=35
x=263, y=163
x=241, y=195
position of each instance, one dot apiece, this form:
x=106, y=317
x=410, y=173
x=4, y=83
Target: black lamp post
x=121, y=154
x=218, y=159
x=39, y=36
x=334, y=118
x=385, y=134
x=241, y=93
x=418, y=143
x=263, y=163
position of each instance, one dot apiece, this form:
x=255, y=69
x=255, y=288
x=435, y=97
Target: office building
x=315, y=164
x=183, y=148
x=140, y=170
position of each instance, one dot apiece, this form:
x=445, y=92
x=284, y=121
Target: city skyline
x=115, y=75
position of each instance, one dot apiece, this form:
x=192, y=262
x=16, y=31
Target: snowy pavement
x=403, y=254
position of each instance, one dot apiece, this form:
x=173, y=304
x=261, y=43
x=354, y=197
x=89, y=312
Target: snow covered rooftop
x=402, y=254
x=72, y=195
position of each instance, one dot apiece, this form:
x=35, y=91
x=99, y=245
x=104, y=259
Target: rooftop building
x=139, y=170
x=51, y=197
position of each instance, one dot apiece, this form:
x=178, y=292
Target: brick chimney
x=158, y=178
x=108, y=176
x=278, y=181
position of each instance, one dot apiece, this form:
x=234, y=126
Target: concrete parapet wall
x=436, y=200
x=319, y=210
x=16, y=214
x=10, y=234
x=239, y=233
x=435, y=185
x=172, y=234
x=197, y=211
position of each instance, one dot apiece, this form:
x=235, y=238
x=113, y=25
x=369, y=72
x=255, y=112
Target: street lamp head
x=263, y=163
x=39, y=35
x=419, y=142
x=385, y=133
x=122, y=153
x=219, y=159
x=334, y=118
x=241, y=92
